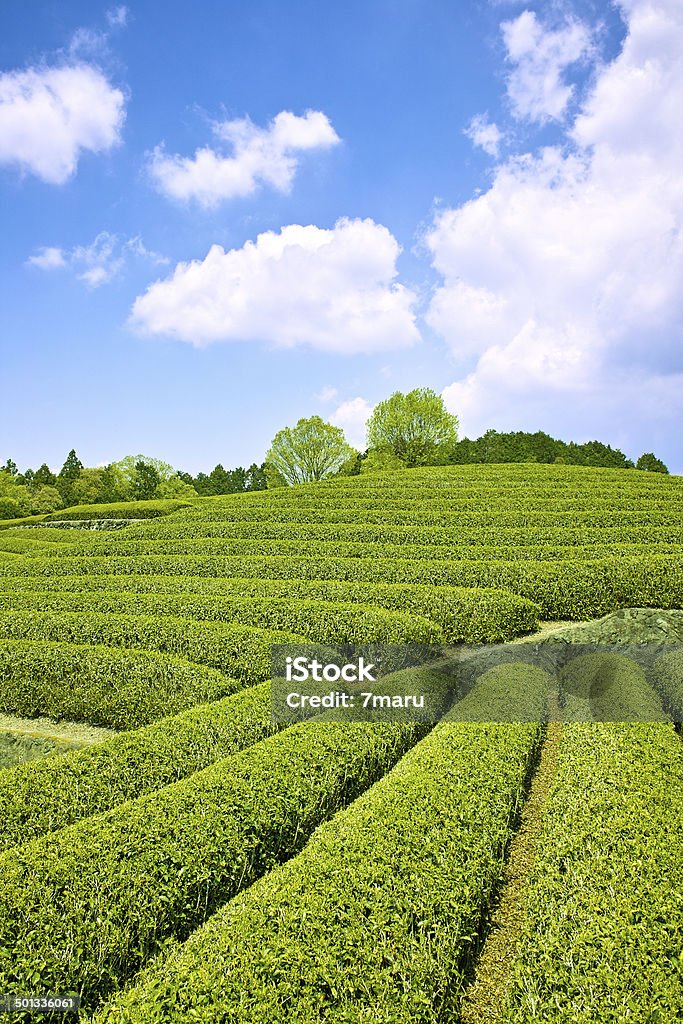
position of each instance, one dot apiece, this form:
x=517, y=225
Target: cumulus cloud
x=48, y=257
x=97, y=263
x=259, y=156
x=352, y=416
x=50, y=116
x=541, y=56
x=485, y=134
x=332, y=289
x=563, y=279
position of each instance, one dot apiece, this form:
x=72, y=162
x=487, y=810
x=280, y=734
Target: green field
x=203, y=863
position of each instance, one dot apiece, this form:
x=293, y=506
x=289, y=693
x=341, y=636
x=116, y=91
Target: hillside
x=333, y=870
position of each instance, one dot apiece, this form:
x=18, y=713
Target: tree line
x=403, y=432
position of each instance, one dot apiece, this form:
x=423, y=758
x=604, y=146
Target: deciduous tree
x=311, y=450
x=416, y=428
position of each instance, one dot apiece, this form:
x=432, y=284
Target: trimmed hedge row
x=566, y=589
x=605, y=916
x=319, y=621
x=42, y=796
x=248, y=547
x=9, y=524
x=157, y=867
x=24, y=546
x=514, y=516
x=241, y=651
x=472, y=614
x=162, y=529
x=36, y=535
x=120, y=510
x=376, y=918
x=504, y=474
x=101, y=685
x=608, y=686
x=667, y=677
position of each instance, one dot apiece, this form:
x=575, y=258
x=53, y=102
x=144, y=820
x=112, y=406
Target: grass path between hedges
x=484, y=998
x=47, y=728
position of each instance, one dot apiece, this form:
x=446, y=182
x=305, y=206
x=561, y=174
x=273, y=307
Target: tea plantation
x=208, y=864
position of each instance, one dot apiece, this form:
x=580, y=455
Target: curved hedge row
x=437, y=536
x=156, y=867
x=472, y=614
x=241, y=651
x=256, y=547
x=42, y=796
x=101, y=685
x=120, y=510
x=319, y=621
x=667, y=677
x=375, y=918
x=515, y=516
x=22, y=546
x=48, y=535
x=568, y=589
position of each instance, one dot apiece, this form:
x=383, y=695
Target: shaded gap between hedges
x=484, y=998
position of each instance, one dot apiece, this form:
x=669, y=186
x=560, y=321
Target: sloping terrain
x=258, y=872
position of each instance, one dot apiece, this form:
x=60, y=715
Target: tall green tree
x=67, y=477
x=311, y=450
x=255, y=478
x=651, y=464
x=44, y=477
x=89, y=488
x=176, y=488
x=145, y=481
x=128, y=467
x=416, y=428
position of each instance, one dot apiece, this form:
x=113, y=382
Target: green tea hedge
x=567, y=589
x=320, y=621
x=667, y=677
x=43, y=796
x=435, y=536
x=257, y=547
x=375, y=920
x=241, y=651
x=472, y=615
x=122, y=689
x=605, y=925
x=119, y=510
x=157, y=867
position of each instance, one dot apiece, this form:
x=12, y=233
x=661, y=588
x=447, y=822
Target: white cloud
x=260, y=156
x=563, y=280
x=49, y=116
x=535, y=85
x=97, y=263
x=88, y=43
x=117, y=17
x=352, y=416
x=48, y=257
x=484, y=133
x=333, y=289
x=327, y=394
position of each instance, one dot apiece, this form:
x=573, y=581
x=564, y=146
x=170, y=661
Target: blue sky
x=222, y=217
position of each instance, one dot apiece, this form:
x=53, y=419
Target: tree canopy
x=650, y=463
x=311, y=450
x=415, y=428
